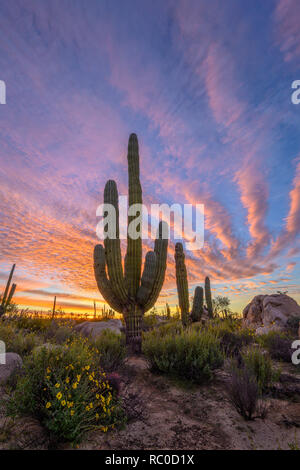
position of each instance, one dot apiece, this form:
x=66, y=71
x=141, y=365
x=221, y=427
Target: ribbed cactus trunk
x=197, y=310
x=130, y=293
x=208, y=298
x=182, y=283
x=183, y=290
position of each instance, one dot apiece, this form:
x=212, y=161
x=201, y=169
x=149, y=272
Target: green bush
x=149, y=321
x=32, y=324
x=188, y=355
x=20, y=342
x=233, y=341
x=259, y=364
x=112, y=350
x=66, y=391
x=59, y=332
x=278, y=344
x=173, y=327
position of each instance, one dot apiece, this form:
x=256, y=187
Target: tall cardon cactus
x=208, y=297
x=130, y=293
x=183, y=289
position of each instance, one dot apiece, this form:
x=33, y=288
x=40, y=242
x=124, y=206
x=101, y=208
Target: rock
x=95, y=329
x=12, y=362
x=263, y=330
x=29, y=434
x=270, y=312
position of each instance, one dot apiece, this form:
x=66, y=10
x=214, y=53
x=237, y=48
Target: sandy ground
x=164, y=415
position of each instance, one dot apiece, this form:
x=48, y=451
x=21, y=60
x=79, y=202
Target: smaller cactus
x=182, y=283
x=183, y=290
x=208, y=297
x=168, y=311
x=197, y=310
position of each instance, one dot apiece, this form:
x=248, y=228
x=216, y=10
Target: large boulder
x=270, y=312
x=9, y=365
x=95, y=329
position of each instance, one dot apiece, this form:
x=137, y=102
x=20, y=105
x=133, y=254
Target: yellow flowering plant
x=68, y=392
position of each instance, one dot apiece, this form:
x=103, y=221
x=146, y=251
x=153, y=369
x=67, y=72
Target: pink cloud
x=287, y=29
x=254, y=195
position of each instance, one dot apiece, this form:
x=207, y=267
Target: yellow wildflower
x=58, y=396
x=48, y=404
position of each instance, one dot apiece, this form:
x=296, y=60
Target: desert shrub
x=243, y=392
x=66, y=392
x=233, y=341
x=149, y=321
x=278, y=344
x=223, y=325
x=112, y=350
x=32, y=324
x=173, y=327
x=20, y=342
x=114, y=381
x=189, y=355
x=293, y=324
x=259, y=364
x=59, y=332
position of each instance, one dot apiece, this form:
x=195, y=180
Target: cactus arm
x=113, y=255
x=197, y=309
x=4, y=301
x=208, y=297
x=103, y=283
x=161, y=251
x=182, y=283
x=148, y=278
x=133, y=259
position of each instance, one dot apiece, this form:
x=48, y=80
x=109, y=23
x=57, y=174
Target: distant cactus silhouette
x=130, y=293
x=8, y=294
x=183, y=289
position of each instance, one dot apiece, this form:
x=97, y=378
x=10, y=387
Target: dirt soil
x=163, y=414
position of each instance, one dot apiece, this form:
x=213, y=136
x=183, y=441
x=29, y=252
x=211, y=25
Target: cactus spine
x=8, y=294
x=130, y=293
x=208, y=297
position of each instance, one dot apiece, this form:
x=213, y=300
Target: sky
x=206, y=86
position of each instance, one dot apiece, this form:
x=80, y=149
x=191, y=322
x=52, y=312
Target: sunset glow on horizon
x=216, y=126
